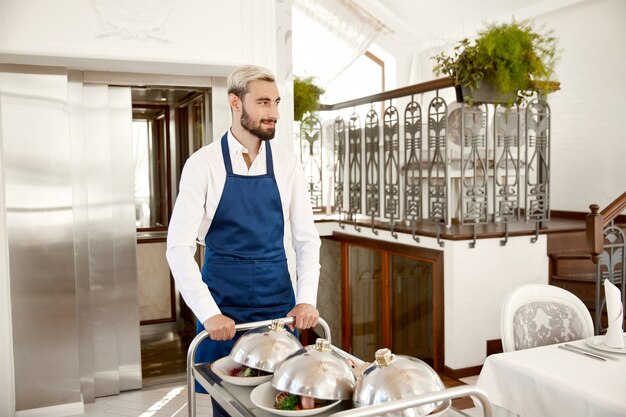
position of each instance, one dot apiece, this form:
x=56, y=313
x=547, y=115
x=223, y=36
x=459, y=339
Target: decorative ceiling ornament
x=134, y=19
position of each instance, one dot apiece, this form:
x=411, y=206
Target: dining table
x=569, y=379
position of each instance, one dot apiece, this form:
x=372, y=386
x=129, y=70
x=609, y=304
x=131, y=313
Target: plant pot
x=486, y=93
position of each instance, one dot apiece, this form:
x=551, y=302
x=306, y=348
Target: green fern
x=306, y=96
x=512, y=56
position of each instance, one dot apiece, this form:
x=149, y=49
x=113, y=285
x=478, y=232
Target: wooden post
x=595, y=232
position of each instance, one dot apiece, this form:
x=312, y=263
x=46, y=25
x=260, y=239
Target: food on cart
x=287, y=401
x=244, y=371
x=236, y=373
x=265, y=397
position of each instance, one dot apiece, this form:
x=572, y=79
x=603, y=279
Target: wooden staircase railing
x=607, y=243
x=597, y=221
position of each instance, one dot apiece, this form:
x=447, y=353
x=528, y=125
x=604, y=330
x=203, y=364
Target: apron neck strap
x=269, y=162
x=226, y=155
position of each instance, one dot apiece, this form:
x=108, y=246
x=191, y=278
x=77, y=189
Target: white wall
x=174, y=37
x=588, y=131
x=476, y=282
x=588, y=134
x=174, y=31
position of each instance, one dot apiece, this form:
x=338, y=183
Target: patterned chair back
x=538, y=315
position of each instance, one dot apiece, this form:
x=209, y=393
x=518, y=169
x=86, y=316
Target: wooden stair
x=571, y=267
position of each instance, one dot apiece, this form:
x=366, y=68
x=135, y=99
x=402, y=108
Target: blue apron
x=245, y=266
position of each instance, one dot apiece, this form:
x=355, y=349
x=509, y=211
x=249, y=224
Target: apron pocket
x=272, y=284
x=230, y=282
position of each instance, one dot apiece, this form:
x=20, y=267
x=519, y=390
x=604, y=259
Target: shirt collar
x=237, y=148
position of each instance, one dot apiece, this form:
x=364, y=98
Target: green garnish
x=289, y=403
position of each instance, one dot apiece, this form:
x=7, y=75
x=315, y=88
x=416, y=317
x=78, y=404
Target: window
x=364, y=77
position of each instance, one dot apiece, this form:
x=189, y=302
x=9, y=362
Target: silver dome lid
x=316, y=371
x=392, y=377
x=265, y=347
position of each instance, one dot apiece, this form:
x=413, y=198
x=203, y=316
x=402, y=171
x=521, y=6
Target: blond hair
x=238, y=80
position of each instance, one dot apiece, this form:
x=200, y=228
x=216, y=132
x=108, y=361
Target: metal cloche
x=316, y=371
x=265, y=347
x=392, y=377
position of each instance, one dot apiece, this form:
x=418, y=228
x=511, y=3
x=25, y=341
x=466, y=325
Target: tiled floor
x=164, y=348
x=471, y=380
x=158, y=401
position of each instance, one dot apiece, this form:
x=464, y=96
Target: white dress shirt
x=201, y=185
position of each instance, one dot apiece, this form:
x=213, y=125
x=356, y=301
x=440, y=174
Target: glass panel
x=412, y=308
x=190, y=126
x=149, y=147
x=365, y=288
x=197, y=122
x=142, y=139
x=158, y=115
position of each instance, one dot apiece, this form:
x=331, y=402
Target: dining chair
x=540, y=314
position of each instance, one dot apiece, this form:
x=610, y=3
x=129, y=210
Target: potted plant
x=512, y=60
x=306, y=96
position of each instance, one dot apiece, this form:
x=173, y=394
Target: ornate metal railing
x=414, y=154
x=607, y=244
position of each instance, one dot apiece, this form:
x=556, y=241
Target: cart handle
x=193, y=346
x=398, y=405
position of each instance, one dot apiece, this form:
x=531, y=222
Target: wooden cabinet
x=392, y=296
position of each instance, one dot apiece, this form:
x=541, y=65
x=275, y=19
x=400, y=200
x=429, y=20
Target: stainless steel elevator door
x=112, y=241
x=36, y=159
x=68, y=181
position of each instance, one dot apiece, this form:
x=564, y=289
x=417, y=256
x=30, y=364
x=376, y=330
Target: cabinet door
x=392, y=297
x=412, y=307
x=365, y=277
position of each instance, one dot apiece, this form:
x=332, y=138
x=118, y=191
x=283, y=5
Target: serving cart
x=236, y=400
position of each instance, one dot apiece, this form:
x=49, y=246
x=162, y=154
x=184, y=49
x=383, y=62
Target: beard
x=258, y=131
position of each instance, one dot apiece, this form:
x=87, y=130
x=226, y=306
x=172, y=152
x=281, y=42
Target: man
x=236, y=195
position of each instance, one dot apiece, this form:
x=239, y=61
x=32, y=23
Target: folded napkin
x=615, y=310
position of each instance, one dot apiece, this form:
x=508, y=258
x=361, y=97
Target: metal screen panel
x=339, y=142
x=506, y=165
x=311, y=156
x=354, y=165
x=537, y=161
x=413, y=163
x=372, y=166
x=474, y=165
x=391, y=151
x=437, y=162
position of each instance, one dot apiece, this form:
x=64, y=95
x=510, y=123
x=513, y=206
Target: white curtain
x=329, y=35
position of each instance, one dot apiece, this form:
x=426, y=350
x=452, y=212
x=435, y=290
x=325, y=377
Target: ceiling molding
x=389, y=18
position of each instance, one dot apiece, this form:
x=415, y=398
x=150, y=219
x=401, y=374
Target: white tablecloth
x=552, y=382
